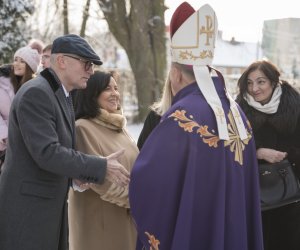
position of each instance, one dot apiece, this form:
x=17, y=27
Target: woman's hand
x=270, y=155
x=80, y=186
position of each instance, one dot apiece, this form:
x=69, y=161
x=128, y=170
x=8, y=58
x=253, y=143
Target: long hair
x=17, y=81
x=165, y=102
x=86, y=100
x=269, y=69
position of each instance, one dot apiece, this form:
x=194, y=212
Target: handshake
x=115, y=172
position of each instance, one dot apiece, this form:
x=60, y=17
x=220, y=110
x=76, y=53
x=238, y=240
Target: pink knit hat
x=30, y=56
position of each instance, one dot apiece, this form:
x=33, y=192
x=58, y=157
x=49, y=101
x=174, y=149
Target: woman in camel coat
x=99, y=218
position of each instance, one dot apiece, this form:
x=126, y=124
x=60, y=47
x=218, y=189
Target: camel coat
x=99, y=218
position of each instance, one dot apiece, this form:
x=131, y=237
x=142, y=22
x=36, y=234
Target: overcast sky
x=242, y=19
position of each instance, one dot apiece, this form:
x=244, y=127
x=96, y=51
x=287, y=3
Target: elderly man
x=194, y=184
x=40, y=157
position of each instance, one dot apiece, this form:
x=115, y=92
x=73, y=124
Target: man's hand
x=115, y=172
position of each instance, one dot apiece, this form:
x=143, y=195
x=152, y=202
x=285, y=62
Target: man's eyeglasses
x=87, y=64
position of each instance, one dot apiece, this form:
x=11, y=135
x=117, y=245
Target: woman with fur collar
x=99, y=217
x=273, y=109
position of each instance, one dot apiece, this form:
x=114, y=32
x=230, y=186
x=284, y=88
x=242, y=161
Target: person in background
x=45, y=60
x=156, y=112
x=40, y=158
x=6, y=96
x=12, y=76
x=195, y=183
x=37, y=45
x=272, y=106
x=99, y=218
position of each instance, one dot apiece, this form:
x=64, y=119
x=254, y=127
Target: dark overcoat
x=39, y=161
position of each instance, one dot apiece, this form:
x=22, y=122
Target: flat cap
x=74, y=44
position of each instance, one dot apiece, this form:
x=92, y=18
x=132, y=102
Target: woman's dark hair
x=86, y=100
x=270, y=71
x=17, y=81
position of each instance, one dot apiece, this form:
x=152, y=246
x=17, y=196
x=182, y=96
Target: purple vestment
x=191, y=191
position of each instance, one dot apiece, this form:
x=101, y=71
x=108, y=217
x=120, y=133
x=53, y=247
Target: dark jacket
x=34, y=182
x=280, y=131
x=150, y=123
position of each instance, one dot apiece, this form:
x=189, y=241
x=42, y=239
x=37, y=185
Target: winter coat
x=39, y=161
x=99, y=218
x=6, y=96
x=280, y=131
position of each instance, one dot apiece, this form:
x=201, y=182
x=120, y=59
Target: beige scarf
x=115, y=121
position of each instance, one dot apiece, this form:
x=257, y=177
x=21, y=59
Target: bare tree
x=138, y=25
x=85, y=17
x=65, y=17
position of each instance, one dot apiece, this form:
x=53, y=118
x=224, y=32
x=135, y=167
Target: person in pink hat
x=26, y=61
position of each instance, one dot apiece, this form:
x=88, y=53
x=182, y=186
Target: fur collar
x=284, y=120
x=115, y=121
x=51, y=78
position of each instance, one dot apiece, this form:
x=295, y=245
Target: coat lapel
x=62, y=100
x=60, y=95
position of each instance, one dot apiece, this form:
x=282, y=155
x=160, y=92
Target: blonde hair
x=165, y=102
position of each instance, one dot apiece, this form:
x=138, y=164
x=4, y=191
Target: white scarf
x=270, y=107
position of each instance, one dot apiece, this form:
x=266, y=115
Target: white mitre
x=193, y=43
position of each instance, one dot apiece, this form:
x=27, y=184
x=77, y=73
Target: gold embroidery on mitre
x=209, y=31
x=189, y=55
x=236, y=145
x=152, y=241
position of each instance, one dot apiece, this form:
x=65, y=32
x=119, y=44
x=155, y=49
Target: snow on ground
x=134, y=130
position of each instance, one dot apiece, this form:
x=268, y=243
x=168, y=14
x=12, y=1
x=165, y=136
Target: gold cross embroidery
x=208, y=30
x=219, y=113
x=237, y=115
x=235, y=143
